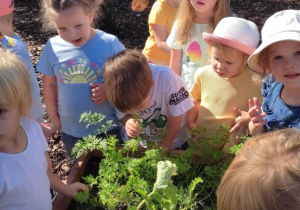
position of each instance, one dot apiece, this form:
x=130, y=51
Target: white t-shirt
x=169, y=97
x=24, y=183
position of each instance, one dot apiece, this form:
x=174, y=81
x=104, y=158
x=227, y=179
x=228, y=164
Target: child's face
x=74, y=25
x=204, y=6
x=284, y=62
x=227, y=63
x=145, y=104
x=9, y=120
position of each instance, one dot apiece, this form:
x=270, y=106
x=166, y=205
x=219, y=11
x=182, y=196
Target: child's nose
x=289, y=63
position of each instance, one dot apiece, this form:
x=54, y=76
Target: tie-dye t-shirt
x=17, y=46
x=75, y=68
x=194, y=52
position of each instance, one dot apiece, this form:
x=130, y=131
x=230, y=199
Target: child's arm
x=131, y=126
x=98, y=93
x=175, y=61
x=51, y=99
x=57, y=185
x=257, y=117
x=172, y=129
x=160, y=33
x=192, y=114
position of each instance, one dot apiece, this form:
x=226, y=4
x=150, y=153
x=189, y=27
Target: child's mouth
x=77, y=41
x=292, y=76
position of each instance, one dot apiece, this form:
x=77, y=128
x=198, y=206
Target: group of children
x=212, y=78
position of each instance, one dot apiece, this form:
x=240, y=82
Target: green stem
x=143, y=201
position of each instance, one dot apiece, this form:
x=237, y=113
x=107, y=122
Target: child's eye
x=62, y=28
x=78, y=26
x=2, y=111
x=278, y=57
x=229, y=62
x=217, y=59
x=297, y=53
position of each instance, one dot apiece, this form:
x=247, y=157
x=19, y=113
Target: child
x=160, y=22
x=188, y=49
x=224, y=87
x=279, y=55
x=72, y=64
x=25, y=178
x=10, y=40
x=264, y=174
x=139, y=5
x=152, y=92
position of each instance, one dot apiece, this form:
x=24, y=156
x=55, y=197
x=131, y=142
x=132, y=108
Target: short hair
x=265, y=174
x=15, y=87
x=128, y=79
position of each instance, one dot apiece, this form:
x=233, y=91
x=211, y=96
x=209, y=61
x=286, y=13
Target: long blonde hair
x=264, y=175
x=186, y=15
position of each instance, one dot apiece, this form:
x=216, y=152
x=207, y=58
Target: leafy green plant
x=156, y=180
x=82, y=197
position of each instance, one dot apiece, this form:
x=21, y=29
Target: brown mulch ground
x=132, y=30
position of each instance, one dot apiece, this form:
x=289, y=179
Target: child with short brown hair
x=265, y=174
x=152, y=92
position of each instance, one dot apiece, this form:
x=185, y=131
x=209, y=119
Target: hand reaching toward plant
x=132, y=127
x=98, y=93
x=74, y=188
x=256, y=115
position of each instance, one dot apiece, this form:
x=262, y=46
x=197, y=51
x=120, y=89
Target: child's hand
x=74, y=188
x=240, y=124
x=48, y=129
x=98, y=93
x=256, y=115
x=132, y=128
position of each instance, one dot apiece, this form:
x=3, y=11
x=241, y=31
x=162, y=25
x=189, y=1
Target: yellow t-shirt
x=161, y=14
x=219, y=96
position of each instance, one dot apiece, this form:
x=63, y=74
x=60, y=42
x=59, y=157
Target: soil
x=132, y=30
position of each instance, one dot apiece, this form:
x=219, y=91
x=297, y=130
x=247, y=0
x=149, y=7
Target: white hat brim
x=285, y=36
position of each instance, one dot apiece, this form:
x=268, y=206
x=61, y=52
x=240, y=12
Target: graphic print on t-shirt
x=193, y=52
x=181, y=95
x=155, y=123
x=80, y=71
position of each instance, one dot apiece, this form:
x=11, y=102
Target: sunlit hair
x=186, y=14
x=139, y=5
x=15, y=87
x=264, y=175
x=128, y=79
x=263, y=58
x=50, y=8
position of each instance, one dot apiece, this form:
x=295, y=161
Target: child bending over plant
x=152, y=92
x=264, y=174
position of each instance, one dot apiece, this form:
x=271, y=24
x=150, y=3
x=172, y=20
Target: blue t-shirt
x=75, y=68
x=278, y=114
x=17, y=46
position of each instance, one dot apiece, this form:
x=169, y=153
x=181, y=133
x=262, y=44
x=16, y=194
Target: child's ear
x=91, y=16
x=153, y=82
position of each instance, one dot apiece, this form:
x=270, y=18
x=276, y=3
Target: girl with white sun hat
x=278, y=56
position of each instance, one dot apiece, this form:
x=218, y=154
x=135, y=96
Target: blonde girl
x=72, y=66
x=188, y=49
x=265, y=174
x=25, y=177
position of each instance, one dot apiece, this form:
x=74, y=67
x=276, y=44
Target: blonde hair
x=51, y=7
x=264, y=175
x=186, y=15
x=128, y=79
x=15, y=87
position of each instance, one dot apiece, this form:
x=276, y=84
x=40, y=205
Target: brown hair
x=51, y=7
x=15, y=87
x=128, y=79
x=186, y=15
x=264, y=175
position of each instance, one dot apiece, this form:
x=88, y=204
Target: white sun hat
x=238, y=33
x=281, y=26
